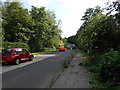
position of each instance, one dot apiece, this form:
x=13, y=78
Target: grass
x=68, y=60
x=94, y=74
x=46, y=51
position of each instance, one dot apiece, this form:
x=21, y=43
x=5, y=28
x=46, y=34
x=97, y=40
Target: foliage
x=15, y=45
x=91, y=12
x=46, y=50
x=110, y=68
x=37, y=27
x=97, y=35
x=54, y=37
x=68, y=60
x=16, y=23
x=46, y=33
x=105, y=73
x=1, y=29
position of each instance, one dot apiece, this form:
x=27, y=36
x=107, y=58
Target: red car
x=15, y=55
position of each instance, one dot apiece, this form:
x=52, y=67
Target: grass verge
x=46, y=51
x=68, y=60
x=94, y=71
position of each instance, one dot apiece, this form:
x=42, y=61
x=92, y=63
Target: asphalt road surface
x=37, y=58
x=35, y=75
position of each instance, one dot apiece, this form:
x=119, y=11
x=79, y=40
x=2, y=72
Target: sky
x=70, y=12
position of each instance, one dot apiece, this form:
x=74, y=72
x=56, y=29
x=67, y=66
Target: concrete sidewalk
x=74, y=76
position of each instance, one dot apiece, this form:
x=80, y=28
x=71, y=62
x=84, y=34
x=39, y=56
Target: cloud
x=71, y=19
x=39, y=3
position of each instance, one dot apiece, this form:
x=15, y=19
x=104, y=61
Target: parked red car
x=15, y=55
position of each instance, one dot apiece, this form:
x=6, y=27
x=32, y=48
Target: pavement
x=74, y=76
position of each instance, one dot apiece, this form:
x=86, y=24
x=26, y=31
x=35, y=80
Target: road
x=35, y=75
x=37, y=58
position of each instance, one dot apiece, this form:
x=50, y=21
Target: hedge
x=15, y=45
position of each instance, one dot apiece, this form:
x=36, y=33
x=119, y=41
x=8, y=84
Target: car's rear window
x=18, y=50
x=7, y=51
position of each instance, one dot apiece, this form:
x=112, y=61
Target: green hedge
x=15, y=45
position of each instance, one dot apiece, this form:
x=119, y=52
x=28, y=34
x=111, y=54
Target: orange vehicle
x=62, y=48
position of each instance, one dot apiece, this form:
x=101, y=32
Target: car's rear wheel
x=17, y=61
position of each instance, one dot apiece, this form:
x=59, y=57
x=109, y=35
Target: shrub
x=14, y=45
x=94, y=69
x=110, y=68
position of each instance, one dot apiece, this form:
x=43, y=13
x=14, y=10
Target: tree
x=37, y=28
x=16, y=23
x=92, y=12
x=114, y=12
x=101, y=32
x=1, y=35
x=40, y=28
x=54, y=37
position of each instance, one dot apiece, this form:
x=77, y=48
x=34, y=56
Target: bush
x=15, y=45
x=94, y=69
x=110, y=68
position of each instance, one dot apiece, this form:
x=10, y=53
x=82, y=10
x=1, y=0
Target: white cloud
x=71, y=20
x=39, y=3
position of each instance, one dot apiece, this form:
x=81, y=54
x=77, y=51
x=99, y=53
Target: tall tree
x=54, y=37
x=16, y=23
x=1, y=35
x=92, y=12
x=100, y=32
x=40, y=28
